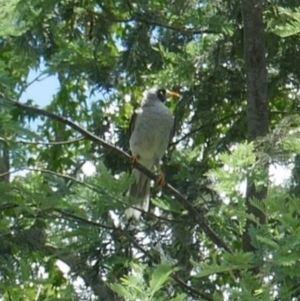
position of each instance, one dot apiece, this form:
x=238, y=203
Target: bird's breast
x=150, y=137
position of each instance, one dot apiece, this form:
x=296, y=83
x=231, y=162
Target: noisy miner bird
x=151, y=131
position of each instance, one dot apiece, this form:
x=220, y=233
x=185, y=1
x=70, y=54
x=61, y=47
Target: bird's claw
x=161, y=181
x=134, y=159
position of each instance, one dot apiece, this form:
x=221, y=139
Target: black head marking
x=162, y=94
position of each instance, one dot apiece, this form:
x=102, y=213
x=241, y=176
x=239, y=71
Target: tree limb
x=182, y=30
x=201, y=127
x=43, y=143
x=257, y=99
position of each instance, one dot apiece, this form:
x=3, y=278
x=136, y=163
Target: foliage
x=104, y=54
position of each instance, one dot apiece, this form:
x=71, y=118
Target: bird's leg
x=161, y=181
x=134, y=159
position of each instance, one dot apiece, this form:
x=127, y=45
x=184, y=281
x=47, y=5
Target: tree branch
x=257, y=100
x=198, y=217
x=70, y=216
x=199, y=128
x=140, y=18
x=182, y=30
x=43, y=143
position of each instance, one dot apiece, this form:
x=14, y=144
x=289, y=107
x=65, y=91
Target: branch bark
x=257, y=104
x=4, y=162
x=144, y=19
x=56, y=143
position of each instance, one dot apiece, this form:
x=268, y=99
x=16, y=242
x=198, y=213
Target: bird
x=151, y=127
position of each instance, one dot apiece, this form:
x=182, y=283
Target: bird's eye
x=162, y=92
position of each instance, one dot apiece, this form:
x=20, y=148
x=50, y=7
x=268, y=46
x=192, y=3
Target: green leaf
x=25, y=269
x=291, y=24
x=159, y=277
x=121, y=290
x=267, y=241
x=287, y=260
x=239, y=258
x=236, y=261
x=180, y=297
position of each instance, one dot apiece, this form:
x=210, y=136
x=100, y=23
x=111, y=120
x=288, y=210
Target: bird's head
x=158, y=94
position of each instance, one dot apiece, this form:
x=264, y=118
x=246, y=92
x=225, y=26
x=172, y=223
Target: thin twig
x=201, y=127
x=43, y=143
x=141, y=18
x=182, y=30
x=88, y=186
x=10, y=172
x=37, y=78
x=72, y=216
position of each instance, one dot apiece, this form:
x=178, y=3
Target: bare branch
x=199, y=128
x=36, y=79
x=10, y=172
x=43, y=143
x=68, y=215
x=182, y=30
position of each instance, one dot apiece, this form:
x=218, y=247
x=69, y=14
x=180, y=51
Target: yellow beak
x=172, y=94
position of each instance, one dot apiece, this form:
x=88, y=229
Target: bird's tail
x=139, y=190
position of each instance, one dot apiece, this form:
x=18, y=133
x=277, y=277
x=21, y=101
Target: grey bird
x=151, y=131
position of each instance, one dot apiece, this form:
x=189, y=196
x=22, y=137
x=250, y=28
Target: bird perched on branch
x=151, y=131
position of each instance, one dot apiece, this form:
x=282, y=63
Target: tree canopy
x=206, y=237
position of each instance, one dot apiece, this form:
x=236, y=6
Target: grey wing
x=172, y=133
x=132, y=123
